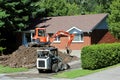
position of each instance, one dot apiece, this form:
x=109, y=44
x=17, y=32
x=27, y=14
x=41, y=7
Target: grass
x=74, y=73
x=80, y=72
x=11, y=70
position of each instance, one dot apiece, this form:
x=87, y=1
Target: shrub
x=101, y=55
x=1, y=50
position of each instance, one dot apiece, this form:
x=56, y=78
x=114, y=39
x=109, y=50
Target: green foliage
x=58, y=8
x=114, y=18
x=1, y=50
x=17, y=13
x=74, y=73
x=87, y=7
x=99, y=56
x=103, y=5
x=2, y=15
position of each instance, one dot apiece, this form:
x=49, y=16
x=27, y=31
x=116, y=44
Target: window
x=78, y=34
x=57, y=39
x=78, y=38
x=41, y=33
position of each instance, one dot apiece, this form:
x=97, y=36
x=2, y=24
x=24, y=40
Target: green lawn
x=74, y=73
x=11, y=70
x=79, y=72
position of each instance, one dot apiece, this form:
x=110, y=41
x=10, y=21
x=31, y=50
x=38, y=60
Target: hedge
x=99, y=56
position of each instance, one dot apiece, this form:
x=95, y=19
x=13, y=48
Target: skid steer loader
x=48, y=59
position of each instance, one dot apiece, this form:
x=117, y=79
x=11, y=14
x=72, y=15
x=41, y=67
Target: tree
x=104, y=5
x=85, y=6
x=92, y=6
x=15, y=15
x=114, y=18
x=58, y=8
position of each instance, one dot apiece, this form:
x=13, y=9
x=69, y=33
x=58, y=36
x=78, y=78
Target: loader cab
x=47, y=53
x=40, y=32
x=40, y=35
x=43, y=54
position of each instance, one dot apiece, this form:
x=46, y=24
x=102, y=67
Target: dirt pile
x=26, y=57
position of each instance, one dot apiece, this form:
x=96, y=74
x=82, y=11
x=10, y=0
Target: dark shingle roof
x=85, y=23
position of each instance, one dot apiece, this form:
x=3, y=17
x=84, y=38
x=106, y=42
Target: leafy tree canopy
x=114, y=18
x=92, y=6
x=58, y=8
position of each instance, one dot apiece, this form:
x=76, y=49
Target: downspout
x=31, y=36
x=24, y=40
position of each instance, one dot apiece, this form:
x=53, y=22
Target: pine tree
x=17, y=13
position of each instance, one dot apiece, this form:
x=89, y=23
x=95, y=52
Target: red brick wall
x=102, y=36
x=96, y=37
x=108, y=38
x=74, y=45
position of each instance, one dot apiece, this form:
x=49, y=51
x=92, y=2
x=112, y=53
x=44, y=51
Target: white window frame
x=77, y=31
x=57, y=40
x=80, y=37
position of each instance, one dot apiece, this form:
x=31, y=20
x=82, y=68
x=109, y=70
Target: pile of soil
x=26, y=57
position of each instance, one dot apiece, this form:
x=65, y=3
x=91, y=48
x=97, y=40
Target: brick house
x=88, y=29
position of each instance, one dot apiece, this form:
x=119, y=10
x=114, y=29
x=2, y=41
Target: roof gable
x=74, y=30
